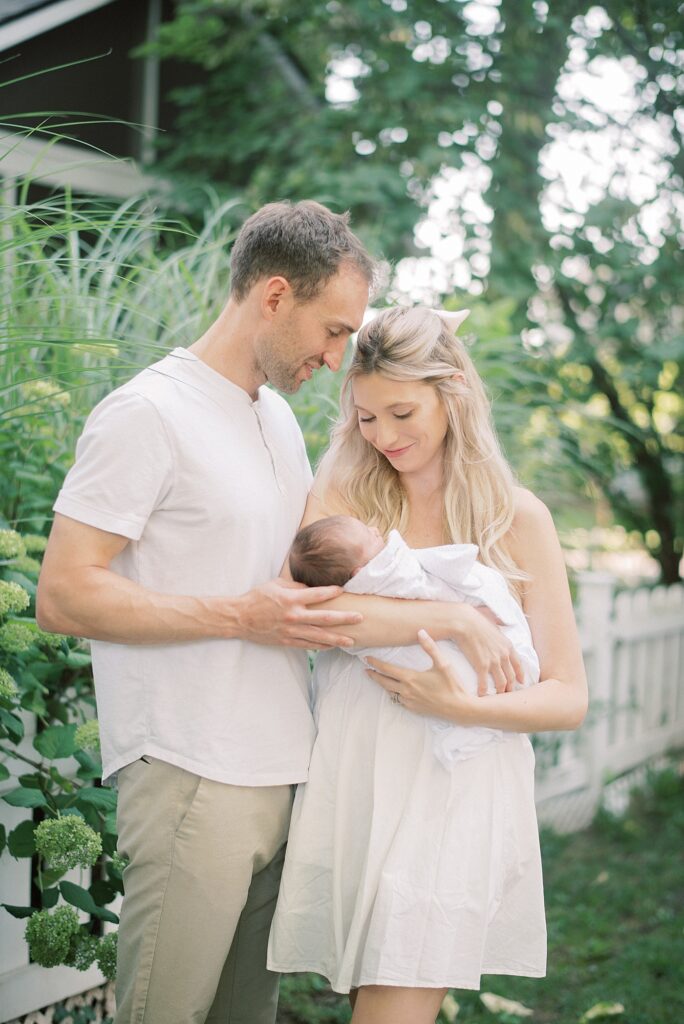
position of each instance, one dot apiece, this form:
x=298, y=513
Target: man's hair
x=320, y=556
x=305, y=243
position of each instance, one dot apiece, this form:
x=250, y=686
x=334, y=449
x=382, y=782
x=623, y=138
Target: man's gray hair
x=305, y=242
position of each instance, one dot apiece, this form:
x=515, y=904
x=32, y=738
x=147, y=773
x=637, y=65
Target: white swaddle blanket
x=447, y=573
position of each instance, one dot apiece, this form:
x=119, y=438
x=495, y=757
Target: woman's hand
x=487, y=649
x=437, y=691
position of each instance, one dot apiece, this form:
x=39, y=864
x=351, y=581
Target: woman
x=403, y=878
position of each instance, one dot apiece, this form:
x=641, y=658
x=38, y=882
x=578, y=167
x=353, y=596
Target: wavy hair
x=417, y=344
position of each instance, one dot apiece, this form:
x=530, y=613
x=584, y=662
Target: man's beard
x=278, y=370
x=280, y=374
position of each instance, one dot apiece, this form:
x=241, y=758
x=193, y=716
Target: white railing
x=632, y=644
x=633, y=650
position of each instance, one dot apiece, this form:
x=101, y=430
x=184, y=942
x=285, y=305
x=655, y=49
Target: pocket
x=188, y=790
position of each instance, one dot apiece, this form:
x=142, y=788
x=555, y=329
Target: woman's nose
x=385, y=436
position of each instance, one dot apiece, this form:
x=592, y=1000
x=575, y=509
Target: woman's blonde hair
x=416, y=344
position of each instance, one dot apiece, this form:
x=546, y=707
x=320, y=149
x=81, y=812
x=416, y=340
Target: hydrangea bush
x=70, y=819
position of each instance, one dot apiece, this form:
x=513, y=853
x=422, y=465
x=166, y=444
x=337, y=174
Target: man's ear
x=276, y=291
x=357, y=569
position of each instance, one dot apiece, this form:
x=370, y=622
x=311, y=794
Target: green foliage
x=49, y=676
x=106, y=956
x=594, y=288
x=11, y=544
x=55, y=937
x=51, y=935
x=87, y=736
x=93, y=291
x=86, y=952
x=67, y=842
x=13, y=598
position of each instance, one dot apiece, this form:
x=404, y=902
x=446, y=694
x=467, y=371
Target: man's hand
x=280, y=612
x=488, y=650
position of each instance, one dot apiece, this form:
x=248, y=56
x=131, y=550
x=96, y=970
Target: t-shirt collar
x=210, y=381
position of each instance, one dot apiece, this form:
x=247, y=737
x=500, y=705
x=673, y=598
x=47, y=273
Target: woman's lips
x=392, y=453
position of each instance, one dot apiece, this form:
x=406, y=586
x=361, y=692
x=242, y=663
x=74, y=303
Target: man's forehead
x=345, y=299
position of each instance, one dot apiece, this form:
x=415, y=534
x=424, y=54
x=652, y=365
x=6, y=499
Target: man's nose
x=334, y=355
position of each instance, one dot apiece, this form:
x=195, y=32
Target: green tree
x=436, y=89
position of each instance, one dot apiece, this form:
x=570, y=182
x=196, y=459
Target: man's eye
x=334, y=334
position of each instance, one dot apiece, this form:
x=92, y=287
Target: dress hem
x=523, y=972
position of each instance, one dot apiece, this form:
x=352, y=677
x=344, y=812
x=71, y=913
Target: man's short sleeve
x=123, y=467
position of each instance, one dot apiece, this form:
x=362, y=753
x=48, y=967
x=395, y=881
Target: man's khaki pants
x=200, y=891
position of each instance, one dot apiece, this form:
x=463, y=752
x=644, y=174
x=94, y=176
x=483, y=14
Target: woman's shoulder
x=529, y=511
x=532, y=523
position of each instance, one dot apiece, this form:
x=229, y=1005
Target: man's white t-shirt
x=209, y=487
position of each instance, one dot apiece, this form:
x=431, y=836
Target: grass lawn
x=615, y=913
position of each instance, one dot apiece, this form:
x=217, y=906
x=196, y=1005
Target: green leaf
x=77, y=659
x=50, y=897
x=18, y=911
x=102, y=892
x=20, y=842
x=13, y=725
x=49, y=878
x=91, y=767
x=81, y=898
x=55, y=741
x=3, y=838
x=4, y=772
x=103, y=799
x=26, y=798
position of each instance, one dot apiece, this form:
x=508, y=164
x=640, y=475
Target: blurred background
x=518, y=157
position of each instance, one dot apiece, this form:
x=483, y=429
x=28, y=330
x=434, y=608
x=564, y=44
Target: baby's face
x=366, y=540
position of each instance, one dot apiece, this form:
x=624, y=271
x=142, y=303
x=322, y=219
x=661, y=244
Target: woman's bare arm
x=560, y=700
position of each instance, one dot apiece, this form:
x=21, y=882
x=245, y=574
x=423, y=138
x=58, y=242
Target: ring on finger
x=395, y=697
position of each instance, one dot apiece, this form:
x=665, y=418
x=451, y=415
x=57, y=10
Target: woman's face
x=405, y=420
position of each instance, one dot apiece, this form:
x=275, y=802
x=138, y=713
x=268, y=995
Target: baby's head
x=330, y=551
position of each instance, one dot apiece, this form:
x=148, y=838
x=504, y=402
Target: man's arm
x=80, y=595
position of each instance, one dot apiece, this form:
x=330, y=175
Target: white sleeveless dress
x=400, y=869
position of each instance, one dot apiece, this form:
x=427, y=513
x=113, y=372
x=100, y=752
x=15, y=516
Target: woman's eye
x=402, y=416
x=368, y=419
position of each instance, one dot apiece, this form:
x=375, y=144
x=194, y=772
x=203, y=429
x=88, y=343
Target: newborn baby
x=330, y=551
x=342, y=550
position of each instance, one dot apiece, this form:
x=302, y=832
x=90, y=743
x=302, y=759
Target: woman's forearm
x=394, y=622
x=551, y=705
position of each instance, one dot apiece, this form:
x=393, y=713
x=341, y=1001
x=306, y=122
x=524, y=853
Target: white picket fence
x=632, y=646
x=633, y=650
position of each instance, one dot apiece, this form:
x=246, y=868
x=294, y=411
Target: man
x=189, y=484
